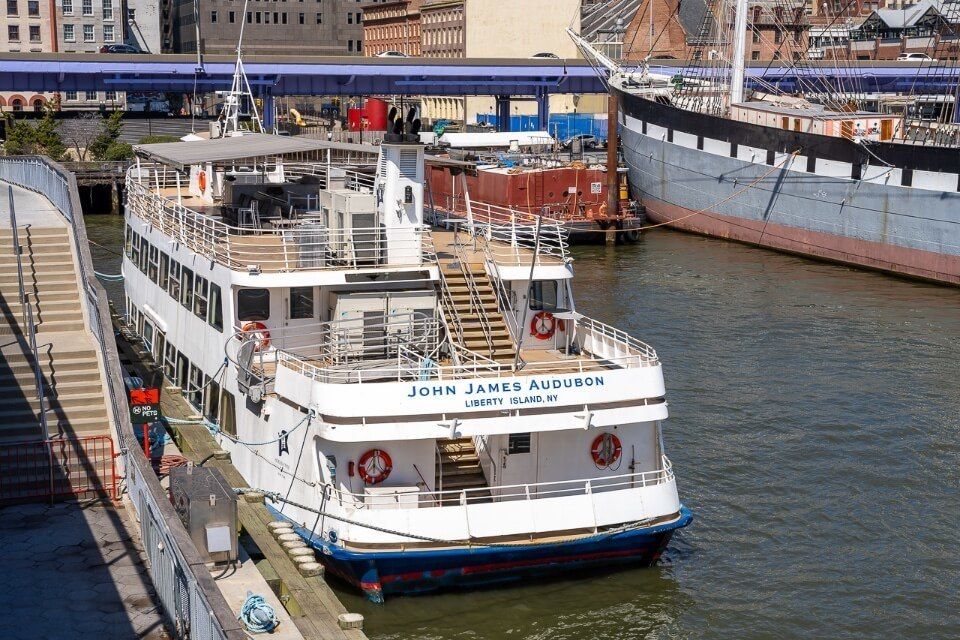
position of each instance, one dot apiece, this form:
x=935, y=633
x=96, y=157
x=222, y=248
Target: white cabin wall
x=565, y=455
x=520, y=291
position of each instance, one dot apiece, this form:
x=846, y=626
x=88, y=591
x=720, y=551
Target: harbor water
x=814, y=432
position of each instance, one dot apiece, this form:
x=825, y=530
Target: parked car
x=546, y=54
x=392, y=54
x=586, y=141
x=915, y=57
x=119, y=48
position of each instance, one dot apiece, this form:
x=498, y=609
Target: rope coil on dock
x=257, y=615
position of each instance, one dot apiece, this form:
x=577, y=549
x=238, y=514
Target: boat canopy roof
x=252, y=145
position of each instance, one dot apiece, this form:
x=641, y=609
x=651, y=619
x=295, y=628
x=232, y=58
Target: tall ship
x=424, y=403
x=810, y=172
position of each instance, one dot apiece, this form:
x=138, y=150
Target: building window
x=755, y=55
x=349, y=18
x=86, y=7
x=33, y=8
x=71, y=96
x=12, y=9
x=253, y=304
x=69, y=35
x=249, y=17
x=213, y=17
x=302, y=19
x=17, y=104
x=319, y=18
x=108, y=9
x=232, y=17
x=108, y=33
x=301, y=303
x=34, y=33
x=283, y=17
x=756, y=37
x=90, y=95
x=88, y=33
x=518, y=443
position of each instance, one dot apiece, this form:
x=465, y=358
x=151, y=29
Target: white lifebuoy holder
x=606, y=450
x=544, y=325
x=258, y=331
x=374, y=466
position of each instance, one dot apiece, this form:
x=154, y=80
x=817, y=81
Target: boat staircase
x=472, y=311
x=51, y=394
x=458, y=468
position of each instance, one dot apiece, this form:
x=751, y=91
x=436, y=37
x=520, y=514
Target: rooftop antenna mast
x=239, y=90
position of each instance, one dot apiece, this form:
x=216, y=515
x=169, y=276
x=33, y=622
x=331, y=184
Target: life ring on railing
x=606, y=450
x=544, y=325
x=258, y=331
x=202, y=181
x=374, y=466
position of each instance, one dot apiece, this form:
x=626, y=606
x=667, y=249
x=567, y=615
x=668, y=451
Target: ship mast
x=739, y=52
x=238, y=90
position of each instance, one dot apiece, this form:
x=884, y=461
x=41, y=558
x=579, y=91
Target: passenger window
x=253, y=304
x=301, y=303
x=164, y=274
x=228, y=416
x=186, y=287
x=200, y=298
x=174, y=289
x=518, y=443
x=216, y=308
x=142, y=262
x=153, y=264
x=128, y=241
x=543, y=295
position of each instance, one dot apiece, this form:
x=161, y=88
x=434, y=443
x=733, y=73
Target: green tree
x=108, y=137
x=47, y=135
x=118, y=151
x=20, y=137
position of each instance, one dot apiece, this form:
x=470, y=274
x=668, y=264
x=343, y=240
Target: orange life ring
x=606, y=450
x=375, y=466
x=544, y=325
x=258, y=330
x=202, y=180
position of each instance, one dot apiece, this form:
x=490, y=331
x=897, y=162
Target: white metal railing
x=512, y=233
x=307, y=243
x=601, y=347
x=509, y=493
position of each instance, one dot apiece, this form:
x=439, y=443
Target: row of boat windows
x=205, y=394
x=194, y=292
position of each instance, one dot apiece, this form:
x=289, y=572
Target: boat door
x=300, y=314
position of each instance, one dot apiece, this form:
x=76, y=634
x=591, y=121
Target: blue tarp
x=561, y=125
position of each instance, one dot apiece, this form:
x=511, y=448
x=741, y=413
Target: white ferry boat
x=424, y=404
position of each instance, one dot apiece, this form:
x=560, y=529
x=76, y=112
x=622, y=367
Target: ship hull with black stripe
x=892, y=207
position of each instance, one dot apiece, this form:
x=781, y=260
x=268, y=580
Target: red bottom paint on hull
x=903, y=261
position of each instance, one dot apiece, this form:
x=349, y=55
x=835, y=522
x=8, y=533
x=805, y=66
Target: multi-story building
x=513, y=29
x=321, y=27
x=145, y=24
x=85, y=26
x=392, y=25
x=27, y=26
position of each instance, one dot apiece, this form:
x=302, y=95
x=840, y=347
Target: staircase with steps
x=458, y=467
x=67, y=359
x=484, y=332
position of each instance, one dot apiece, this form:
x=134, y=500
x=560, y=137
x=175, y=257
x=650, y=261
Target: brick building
x=689, y=30
x=392, y=25
x=27, y=26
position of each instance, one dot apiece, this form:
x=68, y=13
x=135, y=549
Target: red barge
x=572, y=192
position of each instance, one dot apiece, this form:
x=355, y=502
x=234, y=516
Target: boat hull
x=708, y=186
x=382, y=573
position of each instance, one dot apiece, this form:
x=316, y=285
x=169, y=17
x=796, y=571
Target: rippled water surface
x=814, y=431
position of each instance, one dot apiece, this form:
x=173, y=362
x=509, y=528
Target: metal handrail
x=476, y=302
x=27, y=311
x=447, y=303
x=529, y=491
x=496, y=281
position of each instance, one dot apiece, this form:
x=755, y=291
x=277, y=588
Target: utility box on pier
x=207, y=505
